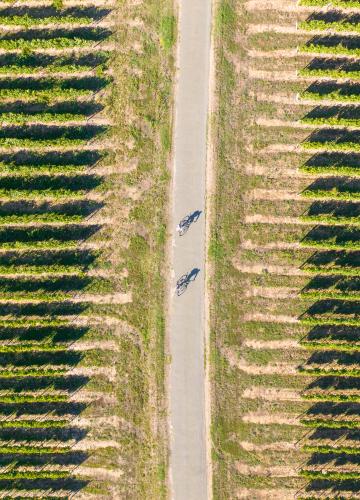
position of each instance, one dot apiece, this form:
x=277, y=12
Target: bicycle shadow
x=184, y=281
x=186, y=222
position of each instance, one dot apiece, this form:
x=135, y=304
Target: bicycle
x=184, y=225
x=186, y=222
x=182, y=284
x=184, y=281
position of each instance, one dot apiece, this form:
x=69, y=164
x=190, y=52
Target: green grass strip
x=38, y=245
x=324, y=49
x=331, y=120
x=40, y=117
x=33, y=424
x=33, y=450
x=10, y=142
x=331, y=73
x=28, y=21
x=320, y=24
x=331, y=245
x=333, y=3
x=334, y=193
x=35, y=194
x=25, y=322
x=32, y=348
x=339, y=398
x=332, y=146
x=333, y=170
x=330, y=424
x=51, y=269
x=342, y=271
x=40, y=295
x=16, y=475
x=30, y=398
x=330, y=321
x=45, y=217
x=330, y=449
x=335, y=95
x=51, y=69
x=42, y=43
x=326, y=474
x=329, y=346
x=341, y=372
x=32, y=372
x=297, y=498
x=33, y=170
x=331, y=219
x=330, y=294
x=49, y=95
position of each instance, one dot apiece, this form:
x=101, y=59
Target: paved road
x=187, y=374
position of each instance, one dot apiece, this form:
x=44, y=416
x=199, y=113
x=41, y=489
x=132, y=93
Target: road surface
x=188, y=450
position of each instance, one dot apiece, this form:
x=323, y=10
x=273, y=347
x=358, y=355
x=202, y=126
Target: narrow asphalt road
x=188, y=446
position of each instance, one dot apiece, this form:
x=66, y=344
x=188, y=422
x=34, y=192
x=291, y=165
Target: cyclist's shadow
x=184, y=281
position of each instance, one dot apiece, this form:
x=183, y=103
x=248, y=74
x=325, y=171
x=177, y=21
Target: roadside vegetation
x=284, y=251
x=85, y=109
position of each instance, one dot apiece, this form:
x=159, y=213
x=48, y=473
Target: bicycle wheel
x=182, y=280
x=181, y=289
x=184, y=229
